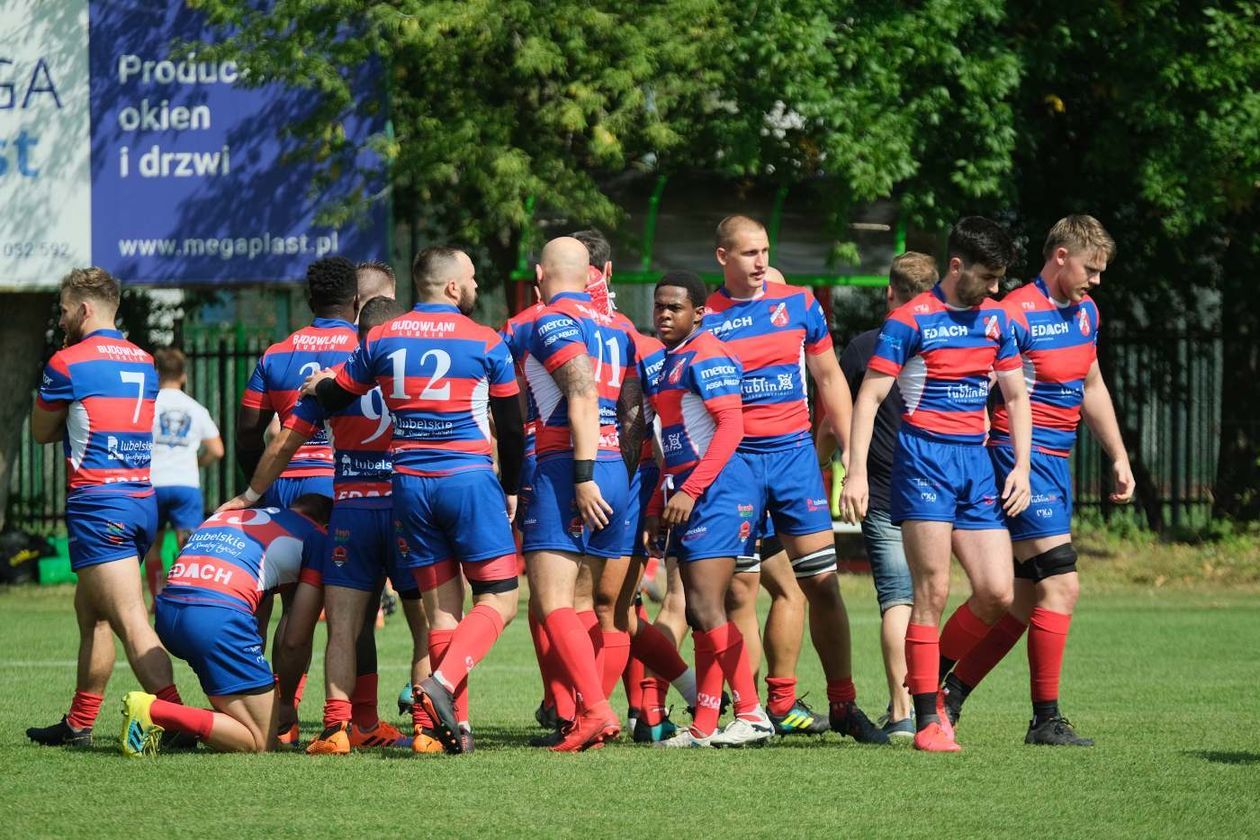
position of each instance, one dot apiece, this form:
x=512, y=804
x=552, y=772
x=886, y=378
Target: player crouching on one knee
x=208, y=615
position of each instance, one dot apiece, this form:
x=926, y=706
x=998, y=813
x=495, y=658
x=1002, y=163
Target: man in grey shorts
x=912, y=273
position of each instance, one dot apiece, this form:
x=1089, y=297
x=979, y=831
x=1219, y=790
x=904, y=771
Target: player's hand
x=651, y=531
x=236, y=503
x=511, y=508
x=591, y=505
x=1016, y=494
x=678, y=509
x=854, y=498
x=312, y=381
x=1122, y=474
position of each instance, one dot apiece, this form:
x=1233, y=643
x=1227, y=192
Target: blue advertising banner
x=192, y=177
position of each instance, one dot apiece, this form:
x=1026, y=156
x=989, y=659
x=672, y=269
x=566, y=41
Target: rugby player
x=357, y=554
x=581, y=371
x=332, y=292
x=97, y=397
x=270, y=394
x=1056, y=329
x=710, y=510
x=185, y=439
x=206, y=615
x=940, y=349
x=911, y=274
x=442, y=376
x=778, y=332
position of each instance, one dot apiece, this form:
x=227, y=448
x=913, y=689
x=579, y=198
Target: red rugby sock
x=708, y=685
x=170, y=715
x=170, y=694
x=652, y=710
x=439, y=642
x=1047, y=639
x=728, y=644
x=780, y=694
x=616, y=654
x=591, y=622
x=922, y=659
x=542, y=652
x=572, y=644
x=362, y=702
x=960, y=635
x=657, y=652
x=841, y=691
x=1002, y=636
x=632, y=682
x=84, y=708
x=476, y=634
x=338, y=711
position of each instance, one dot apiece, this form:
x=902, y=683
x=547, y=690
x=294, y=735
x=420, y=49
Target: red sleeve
x=726, y=438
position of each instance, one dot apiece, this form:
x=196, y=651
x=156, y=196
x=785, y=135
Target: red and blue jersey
x=569, y=327
x=437, y=370
x=690, y=386
x=942, y=357
x=515, y=334
x=1058, y=345
x=236, y=556
x=770, y=334
x=362, y=437
x=284, y=366
x=107, y=386
x=651, y=354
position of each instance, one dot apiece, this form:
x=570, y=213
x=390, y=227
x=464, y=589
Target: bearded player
x=1056, y=328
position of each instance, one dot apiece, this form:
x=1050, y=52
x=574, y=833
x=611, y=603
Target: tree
x=493, y=104
x=1147, y=115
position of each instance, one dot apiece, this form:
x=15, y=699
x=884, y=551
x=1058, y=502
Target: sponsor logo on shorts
x=745, y=511
x=1044, y=513
x=342, y=535
x=745, y=529
x=575, y=526
x=340, y=555
x=403, y=548
x=696, y=532
x=1044, y=499
x=115, y=532
x=988, y=500
x=815, y=504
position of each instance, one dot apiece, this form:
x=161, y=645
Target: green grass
x=1166, y=681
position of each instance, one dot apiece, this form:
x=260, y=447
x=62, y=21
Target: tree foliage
x=1144, y=114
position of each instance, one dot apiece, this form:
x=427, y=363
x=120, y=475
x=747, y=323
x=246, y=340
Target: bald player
x=578, y=359
x=376, y=279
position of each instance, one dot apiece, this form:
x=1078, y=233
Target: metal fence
x=1166, y=386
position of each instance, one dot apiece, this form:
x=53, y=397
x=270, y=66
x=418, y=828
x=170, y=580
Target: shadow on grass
x=1222, y=757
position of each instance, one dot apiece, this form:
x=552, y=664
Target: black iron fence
x=1166, y=387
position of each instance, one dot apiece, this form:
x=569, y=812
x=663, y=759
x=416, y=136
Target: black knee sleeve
x=815, y=563
x=1060, y=560
x=493, y=587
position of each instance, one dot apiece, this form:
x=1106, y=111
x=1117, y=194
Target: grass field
x=1165, y=680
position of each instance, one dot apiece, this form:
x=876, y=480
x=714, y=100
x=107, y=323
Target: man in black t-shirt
x=912, y=273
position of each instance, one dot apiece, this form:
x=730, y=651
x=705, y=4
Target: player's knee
x=1055, y=562
x=991, y=603
x=705, y=616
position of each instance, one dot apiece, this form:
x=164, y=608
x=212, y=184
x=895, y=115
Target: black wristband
x=583, y=471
